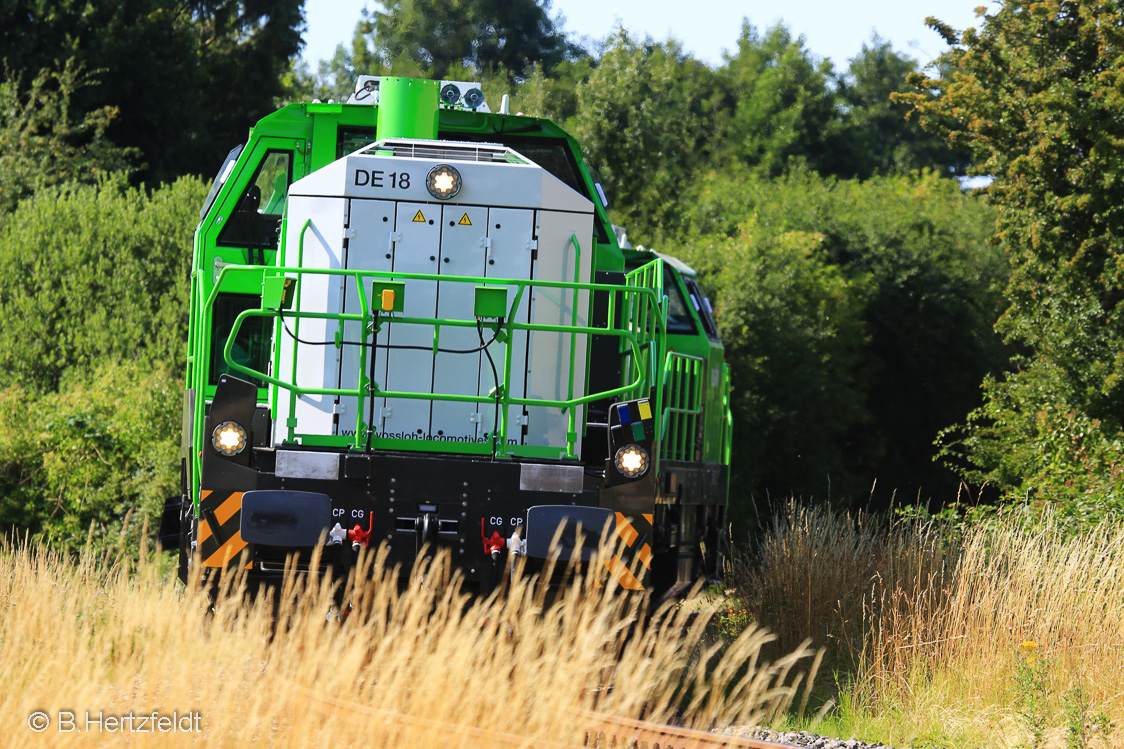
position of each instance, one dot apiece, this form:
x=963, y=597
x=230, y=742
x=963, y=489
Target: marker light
x=229, y=438
x=443, y=182
x=631, y=461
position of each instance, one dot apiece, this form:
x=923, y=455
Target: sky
x=834, y=29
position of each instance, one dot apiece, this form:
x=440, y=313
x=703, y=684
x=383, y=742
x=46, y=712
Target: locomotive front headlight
x=443, y=182
x=229, y=438
x=631, y=461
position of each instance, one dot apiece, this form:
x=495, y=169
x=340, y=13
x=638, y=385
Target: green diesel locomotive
x=413, y=324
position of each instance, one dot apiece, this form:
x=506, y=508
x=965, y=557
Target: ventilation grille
x=451, y=151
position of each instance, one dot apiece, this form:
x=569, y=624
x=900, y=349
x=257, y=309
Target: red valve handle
x=359, y=536
x=494, y=544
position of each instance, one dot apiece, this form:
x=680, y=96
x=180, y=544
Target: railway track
x=602, y=731
x=621, y=733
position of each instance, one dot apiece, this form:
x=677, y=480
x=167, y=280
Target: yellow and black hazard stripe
x=636, y=535
x=219, y=538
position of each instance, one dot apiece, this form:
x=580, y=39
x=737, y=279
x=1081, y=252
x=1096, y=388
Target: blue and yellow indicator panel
x=631, y=421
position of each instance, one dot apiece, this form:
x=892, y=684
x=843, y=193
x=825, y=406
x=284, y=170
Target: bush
x=95, y=322
x=93, y=458
x=859, y=319
x=94, y=274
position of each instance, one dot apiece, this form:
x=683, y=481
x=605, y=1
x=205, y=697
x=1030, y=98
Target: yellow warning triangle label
x=464, y=221
x=419, y=218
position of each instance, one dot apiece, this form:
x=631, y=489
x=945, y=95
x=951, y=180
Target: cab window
x=352, y=139
x=702, y=308
x=220, y=180
x=256, y=222
x=679, y=320
x=253, y=345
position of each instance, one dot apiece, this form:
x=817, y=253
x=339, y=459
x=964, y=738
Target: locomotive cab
x=412, y=324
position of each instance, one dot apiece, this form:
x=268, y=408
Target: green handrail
x=638, y=340
x=682, y=382
x=571, y=413
x=727, y=435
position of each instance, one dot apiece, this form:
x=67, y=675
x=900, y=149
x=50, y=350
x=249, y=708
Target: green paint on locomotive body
x=683, y=368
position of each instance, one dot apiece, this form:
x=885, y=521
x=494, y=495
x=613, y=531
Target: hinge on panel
x=386, y=412
x=532, y=244
x=474, y=417
x=486, y=244
x=219, y=265
x=395, y=236
x=521, y=419
x=349, y=233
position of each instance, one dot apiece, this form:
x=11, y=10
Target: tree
x=554, y=97
x=782, y=103
x=440, y=36
x=858, y=317
x=44, y=143
x=794, y=336
x=1037, y=94
x=876, y=135
x=186, y=78
x=102, y=449
x=643, y=121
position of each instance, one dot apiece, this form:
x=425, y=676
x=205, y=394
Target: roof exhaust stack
x=407, y=108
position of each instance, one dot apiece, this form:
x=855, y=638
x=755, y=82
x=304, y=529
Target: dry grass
x=425, y=667
x=1021, y=600
x=818, y=572
x=965, y=643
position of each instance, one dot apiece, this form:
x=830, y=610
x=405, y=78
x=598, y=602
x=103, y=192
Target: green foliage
x=1037, y=449
x=94, y=274
x=858, y=317
x=555, y=96
x=186, y=79
x=1032, y=691
x=95, y=310
x=96, y=452
x=43, y=142
x=638, y=121
x=794, y=334
x=1083, y=722
x=443, y=36
x=876, y=135
x=1036, y=95
x=782, y=106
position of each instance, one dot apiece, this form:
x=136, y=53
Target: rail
x=601, y=730
x=607, y=731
